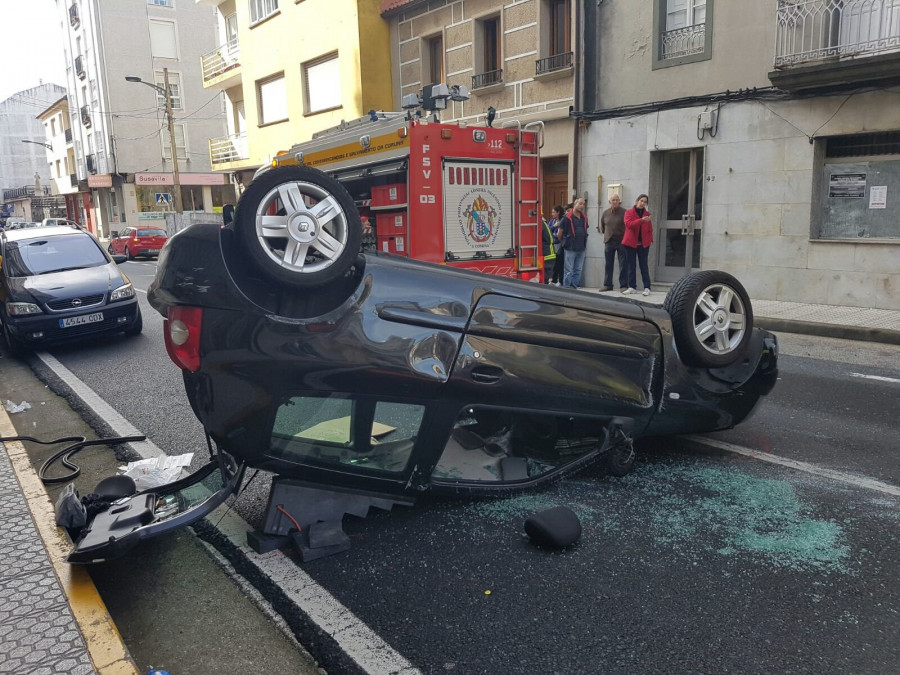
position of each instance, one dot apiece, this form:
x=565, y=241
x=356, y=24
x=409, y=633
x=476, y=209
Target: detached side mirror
x=114, y=234
x=227, y=214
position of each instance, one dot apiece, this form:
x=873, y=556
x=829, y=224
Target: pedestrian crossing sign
x=163, y=198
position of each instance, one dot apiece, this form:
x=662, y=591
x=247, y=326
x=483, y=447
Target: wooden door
x=555, y=191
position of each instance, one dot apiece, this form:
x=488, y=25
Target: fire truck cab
x=448, y=193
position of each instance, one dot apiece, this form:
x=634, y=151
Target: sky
x=31, y=47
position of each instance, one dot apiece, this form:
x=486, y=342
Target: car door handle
x=486, y=375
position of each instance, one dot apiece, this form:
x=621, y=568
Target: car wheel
x=14, y=347
x=128, y=254
x=137, y=326
x=109, y=249
x=299, y=226
x=711, y=318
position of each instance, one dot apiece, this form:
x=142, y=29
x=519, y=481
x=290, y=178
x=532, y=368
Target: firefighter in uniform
x=548, y=250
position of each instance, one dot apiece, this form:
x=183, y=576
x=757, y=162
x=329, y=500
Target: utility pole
x=176, y=199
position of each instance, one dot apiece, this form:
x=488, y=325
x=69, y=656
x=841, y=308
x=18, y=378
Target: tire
x=128, y=254
x=712, y=319
x=137, y=326
x=109, y=249
x=302, y=246
x=14, y=347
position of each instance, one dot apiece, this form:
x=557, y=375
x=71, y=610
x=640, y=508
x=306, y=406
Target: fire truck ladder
x=531, y=138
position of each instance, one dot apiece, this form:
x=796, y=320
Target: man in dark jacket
x=574, y=230
x=612, y=225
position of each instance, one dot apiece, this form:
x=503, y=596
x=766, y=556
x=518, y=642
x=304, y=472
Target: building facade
x=289, y=69
x=19, y=162
x=517, y=58
x=120, y=130
x=60, y=156
x=766, y=134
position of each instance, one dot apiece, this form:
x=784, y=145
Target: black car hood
x=69, y=284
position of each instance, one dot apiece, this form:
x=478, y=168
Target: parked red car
x=134, y=242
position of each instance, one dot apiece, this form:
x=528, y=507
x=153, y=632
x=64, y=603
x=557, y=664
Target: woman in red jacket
x=637, y=240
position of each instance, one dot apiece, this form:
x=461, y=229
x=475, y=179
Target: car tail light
x=182, y=335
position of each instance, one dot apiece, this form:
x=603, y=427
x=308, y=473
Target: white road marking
x=141, y=290
x=106, y=412
x=371, y=653
x=876, y=377
x=850, y=479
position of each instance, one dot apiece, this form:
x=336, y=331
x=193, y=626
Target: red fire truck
x=450, y=193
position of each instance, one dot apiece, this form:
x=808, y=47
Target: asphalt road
x=701, y=560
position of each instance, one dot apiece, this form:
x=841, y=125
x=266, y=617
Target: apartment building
x=517, y=58
x=290, y=68
x=60, y=156
x=766, y=134
x=19, y=162
x=122, y=148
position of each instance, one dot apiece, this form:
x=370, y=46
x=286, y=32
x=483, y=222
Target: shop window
x=192, y=198
x=859, y=177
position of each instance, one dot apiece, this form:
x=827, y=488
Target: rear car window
x=362, y=433
x=151, y=233
x=45, y=255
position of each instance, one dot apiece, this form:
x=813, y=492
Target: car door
x=121, y=240
x=540, y=387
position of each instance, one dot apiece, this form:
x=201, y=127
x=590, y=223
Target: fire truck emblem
x=480, y=220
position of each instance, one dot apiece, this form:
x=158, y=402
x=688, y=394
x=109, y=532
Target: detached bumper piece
x=150, y=513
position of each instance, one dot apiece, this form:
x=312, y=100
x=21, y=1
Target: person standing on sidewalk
x=637, y=240
x=548, y=250
x=559, y=264
x=612, y=226
x=574, y=228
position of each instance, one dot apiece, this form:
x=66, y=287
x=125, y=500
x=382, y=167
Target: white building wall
x=759, y=172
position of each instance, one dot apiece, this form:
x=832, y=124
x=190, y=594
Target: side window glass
x=491, y=445
x=365, y=434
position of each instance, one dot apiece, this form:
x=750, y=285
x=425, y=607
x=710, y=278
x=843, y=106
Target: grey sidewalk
x=850, y=323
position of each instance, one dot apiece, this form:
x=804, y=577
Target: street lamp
x=46, y=145
x=165, y=93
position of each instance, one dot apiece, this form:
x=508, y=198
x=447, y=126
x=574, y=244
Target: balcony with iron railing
x=821, y=43
x=488, y=79
x=225, y=152
x=221, y=67
x=85, y=116
x=68, y=134
x=74, y=19
x=79, y=67
x=73, y=178
x=681, y=42
x=91, y=162
x=553, y=64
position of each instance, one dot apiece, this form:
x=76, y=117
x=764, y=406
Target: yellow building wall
x=301, y=32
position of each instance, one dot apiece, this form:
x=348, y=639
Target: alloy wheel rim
x=308, y=231
x=720, y=319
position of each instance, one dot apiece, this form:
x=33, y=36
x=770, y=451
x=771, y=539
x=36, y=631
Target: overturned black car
x=385, y=375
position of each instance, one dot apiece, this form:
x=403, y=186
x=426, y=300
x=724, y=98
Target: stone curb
x=863, y=333
x=105, y=647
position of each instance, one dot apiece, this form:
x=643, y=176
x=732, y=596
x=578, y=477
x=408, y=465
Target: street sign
x=163, y=199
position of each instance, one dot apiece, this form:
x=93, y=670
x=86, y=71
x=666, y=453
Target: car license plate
x=79, y=320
